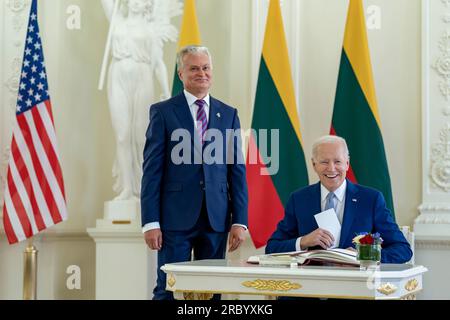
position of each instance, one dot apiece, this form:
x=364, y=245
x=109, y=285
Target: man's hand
x=319, y=237
x=237, y=236
x=153, y=238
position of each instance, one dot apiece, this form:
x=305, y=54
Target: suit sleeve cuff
x=240, y=225
x=150, y=226
x=297, y=244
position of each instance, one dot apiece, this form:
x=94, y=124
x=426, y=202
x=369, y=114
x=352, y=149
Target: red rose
x=367, y=239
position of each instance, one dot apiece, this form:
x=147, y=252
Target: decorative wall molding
x=446, y=111
x=432, y=208
x=18, y=8
x=432, y=244
x=15, y=13
x=440, y=151
x=446, y=18
x=442, y=64
x=12, y=83
x=70, y=236
x=58, y=236
x=440, y=160
x=434, y=217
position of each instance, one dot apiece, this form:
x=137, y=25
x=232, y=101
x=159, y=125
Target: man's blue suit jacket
x=172, y=194
x=365, y=211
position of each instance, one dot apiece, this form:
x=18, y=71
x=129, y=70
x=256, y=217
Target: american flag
x=34, y=191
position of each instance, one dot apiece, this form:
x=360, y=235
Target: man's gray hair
x=329, y=139
x=191, y=50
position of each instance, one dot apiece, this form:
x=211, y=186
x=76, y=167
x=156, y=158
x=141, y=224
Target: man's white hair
x=191, y=50
x=328, y=139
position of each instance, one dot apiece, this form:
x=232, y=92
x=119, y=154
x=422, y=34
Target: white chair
x=409, y=235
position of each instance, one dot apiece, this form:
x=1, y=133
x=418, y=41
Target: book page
x=337, y=255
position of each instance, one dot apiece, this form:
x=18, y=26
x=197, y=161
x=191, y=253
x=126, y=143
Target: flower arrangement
x=368, y=238
x=368, y=247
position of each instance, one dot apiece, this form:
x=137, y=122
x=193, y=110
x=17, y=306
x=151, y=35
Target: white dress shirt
x=340, y=195
x=193, y=108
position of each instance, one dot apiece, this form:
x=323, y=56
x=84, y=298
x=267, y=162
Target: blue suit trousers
x=178, y=246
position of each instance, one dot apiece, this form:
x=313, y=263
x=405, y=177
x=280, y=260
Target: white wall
x=84, y=131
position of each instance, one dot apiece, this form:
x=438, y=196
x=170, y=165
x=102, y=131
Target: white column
x=434, y=219
x=432, y=226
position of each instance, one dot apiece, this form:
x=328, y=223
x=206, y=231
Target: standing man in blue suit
x=186, y=204
x=359, y=209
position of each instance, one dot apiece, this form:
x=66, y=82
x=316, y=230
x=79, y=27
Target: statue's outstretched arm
x=161, y=75
x=108, y=7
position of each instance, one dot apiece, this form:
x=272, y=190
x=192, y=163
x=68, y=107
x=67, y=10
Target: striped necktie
x=202, y=121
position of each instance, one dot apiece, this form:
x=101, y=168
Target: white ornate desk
x=200, y=279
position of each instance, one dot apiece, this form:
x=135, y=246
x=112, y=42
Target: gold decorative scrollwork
x=272, y=285
x=387, y=289
x=409, y=297
x=171, y=280
x=197, y=296
x=411, y=285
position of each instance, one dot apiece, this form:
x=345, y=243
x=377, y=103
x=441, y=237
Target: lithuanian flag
x=189, y=35
x=275, y=109
x=355, y=114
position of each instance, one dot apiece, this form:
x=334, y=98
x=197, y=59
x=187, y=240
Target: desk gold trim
x=207, y=294
x=272, y=285
x=191, y=295
x=270, y=294
x=171, y=280
x=387, y=289
x=411, y=285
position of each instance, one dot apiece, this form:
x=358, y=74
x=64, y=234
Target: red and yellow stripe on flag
x=189, y=35
x=275, y=109
x=355, y=114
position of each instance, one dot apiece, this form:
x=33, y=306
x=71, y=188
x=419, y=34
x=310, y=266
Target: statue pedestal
x=122, y=211
x=125, y=266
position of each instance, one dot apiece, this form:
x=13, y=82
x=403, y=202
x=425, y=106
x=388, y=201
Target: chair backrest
x=409, y=235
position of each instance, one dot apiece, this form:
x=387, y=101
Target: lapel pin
x=354, y=200
x=218, y=114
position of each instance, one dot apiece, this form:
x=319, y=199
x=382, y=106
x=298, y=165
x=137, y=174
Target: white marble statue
x=139, y=29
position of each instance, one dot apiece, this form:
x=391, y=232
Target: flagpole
x=30, y=271
x=108, y=45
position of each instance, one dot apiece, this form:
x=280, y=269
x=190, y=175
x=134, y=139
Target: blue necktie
x=332, y=203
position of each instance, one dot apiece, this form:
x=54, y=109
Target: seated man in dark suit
x=359, y=209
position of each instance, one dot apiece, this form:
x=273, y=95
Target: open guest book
x=330, y=256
